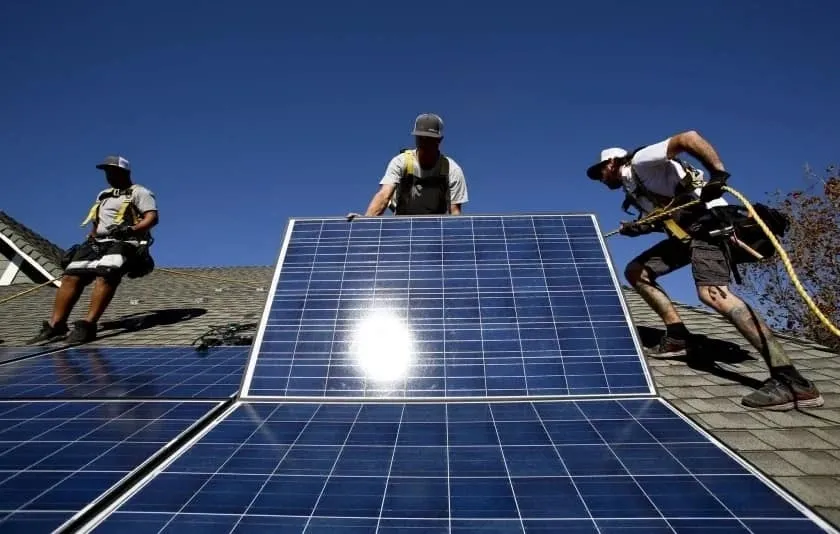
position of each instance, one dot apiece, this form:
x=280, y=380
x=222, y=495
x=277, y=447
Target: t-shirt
x=457, y=181
x=659, y=174
x=142, y=199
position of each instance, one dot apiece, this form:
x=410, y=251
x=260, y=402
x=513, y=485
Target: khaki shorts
x=709, y=265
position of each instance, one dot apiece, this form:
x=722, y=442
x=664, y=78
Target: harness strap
x=119, y=218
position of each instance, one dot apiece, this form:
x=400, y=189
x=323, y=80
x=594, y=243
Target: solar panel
x=550, y=466
x=439, y=307
x=58, y=457
x=135, y=372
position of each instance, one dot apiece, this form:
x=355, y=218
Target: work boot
x=83, y=332
x=782, y=394
x=668, y=347
x=48, y=332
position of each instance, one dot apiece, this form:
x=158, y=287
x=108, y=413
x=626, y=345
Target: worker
x=117, y=245
x=421, y=181
x=652, y=177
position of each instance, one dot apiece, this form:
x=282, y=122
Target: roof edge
x=40, y=268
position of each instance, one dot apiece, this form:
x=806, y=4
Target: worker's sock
x=676, y=331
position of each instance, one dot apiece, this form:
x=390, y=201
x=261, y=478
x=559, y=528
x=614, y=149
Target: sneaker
x=668, y=347
x=48, y=333
x=83, y=332
x=781, y=394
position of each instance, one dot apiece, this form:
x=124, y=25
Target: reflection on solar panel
x=446, y=307
x=12, y=353
x=136, y=372
x=558, y=466
x=57, y=457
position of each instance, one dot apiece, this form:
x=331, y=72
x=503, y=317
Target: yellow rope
x=22, y=293
x=785, y=260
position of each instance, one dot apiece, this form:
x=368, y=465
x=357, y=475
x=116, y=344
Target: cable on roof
x=782, y=254
x=228, y=334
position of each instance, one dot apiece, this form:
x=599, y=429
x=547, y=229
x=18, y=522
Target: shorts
x=107, y=259
x=709, y=264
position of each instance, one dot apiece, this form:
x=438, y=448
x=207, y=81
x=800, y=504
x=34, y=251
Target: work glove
x=121, y=233
x=636, y=229
x=714, y=189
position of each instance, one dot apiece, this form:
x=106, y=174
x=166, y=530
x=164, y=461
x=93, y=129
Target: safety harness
x=724, y=223
x=125, y=208
x=417, y=195
x=649, y=203
x=142, y=262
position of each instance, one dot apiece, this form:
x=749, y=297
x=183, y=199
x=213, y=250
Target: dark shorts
x=708, y=261
x=107, y=259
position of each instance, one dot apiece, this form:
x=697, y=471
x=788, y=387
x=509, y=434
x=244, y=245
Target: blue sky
x=243, y=114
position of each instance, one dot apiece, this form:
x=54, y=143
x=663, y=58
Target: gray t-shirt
x=142, y=199
x=457, y=181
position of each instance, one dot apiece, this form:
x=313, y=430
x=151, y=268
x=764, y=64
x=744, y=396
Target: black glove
x=714, y=189
x=121, y=233
x=636, y=229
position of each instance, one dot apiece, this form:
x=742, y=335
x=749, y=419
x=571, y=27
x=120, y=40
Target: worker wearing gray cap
x=117, y=245
x=422, y=180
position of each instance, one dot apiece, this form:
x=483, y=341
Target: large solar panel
x=550, y=466
x=439, y=307
x=134, y=372
x=56, y=458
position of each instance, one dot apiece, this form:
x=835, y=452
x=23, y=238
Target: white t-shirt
x=659, y=174
x=457, y=181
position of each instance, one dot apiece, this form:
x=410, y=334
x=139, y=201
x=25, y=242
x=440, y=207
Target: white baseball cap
x=594, y=172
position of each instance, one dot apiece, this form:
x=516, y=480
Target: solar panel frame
x=140, y=371
x=698, y=475
x=248, y=376
x=64, y=453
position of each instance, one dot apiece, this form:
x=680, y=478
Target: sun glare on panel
x=382, y=347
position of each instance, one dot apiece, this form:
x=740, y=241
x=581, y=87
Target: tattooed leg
x=655, y=297
x=748, y=323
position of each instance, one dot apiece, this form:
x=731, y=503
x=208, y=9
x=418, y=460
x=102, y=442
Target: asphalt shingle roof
x=798, y=449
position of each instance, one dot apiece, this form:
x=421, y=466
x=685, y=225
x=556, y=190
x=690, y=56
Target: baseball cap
x=428, y=125
x=594, y=172
x=114, y=161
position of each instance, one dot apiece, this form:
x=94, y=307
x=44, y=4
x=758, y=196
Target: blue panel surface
x=135, y=372
x=57, y=457
x=11, y=353
x=560, y=466
x=446, y=307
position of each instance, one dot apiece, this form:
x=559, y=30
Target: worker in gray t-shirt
x=117, y=245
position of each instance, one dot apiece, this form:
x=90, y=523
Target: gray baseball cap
x=428, y=125
x=115, y=161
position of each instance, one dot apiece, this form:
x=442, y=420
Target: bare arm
x=692, y=143
x=150, y=219
x=380, y=200
x=455, y=209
